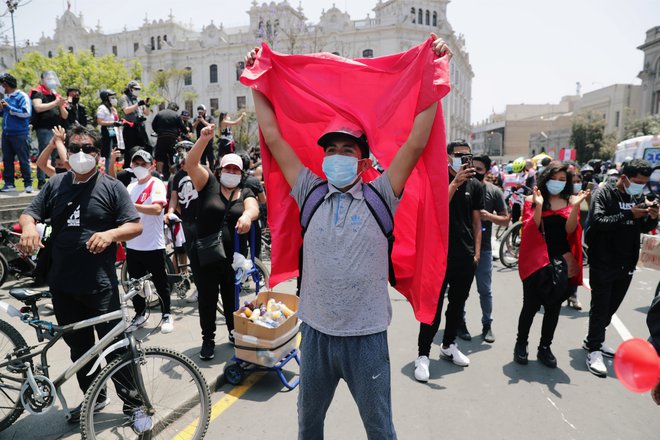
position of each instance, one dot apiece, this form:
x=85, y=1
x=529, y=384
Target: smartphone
x=590, y=186
x=467, y=159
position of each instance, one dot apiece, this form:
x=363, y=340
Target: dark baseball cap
x=343, y=127
x=9, y=80
x=142, y=154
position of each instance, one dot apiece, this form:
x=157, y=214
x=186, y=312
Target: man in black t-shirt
x=168, y=126
x=77, y=111
x=494, y=212
x=91, y=212
x=465, y=205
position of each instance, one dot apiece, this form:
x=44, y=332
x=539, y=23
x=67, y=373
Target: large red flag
x=383, y=95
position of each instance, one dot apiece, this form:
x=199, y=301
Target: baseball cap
x=343, y=127
x=144, y=155
x=185, y=113
x=201, y=107
x=231, y=159
x=613, y=172
x=9, y=80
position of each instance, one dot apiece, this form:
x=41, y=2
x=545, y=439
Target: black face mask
x=75, y=99
x=479, y=176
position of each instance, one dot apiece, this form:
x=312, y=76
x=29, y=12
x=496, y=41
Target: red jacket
x=533, y=249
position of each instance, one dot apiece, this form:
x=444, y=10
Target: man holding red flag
x=345, y=306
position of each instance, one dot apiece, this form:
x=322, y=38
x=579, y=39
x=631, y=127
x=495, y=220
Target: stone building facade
x=214, y=55
x=650, y=74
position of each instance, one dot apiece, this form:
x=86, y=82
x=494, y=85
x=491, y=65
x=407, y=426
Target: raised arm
x=198, y=174
x=283, y=153
x=405, y=159
x=237, y=121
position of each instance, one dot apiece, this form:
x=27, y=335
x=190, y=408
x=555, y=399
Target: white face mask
x=135, y=92
x=113, y=101
x=456, y=164
x=229, y=180
x=82, y=163
x=140, y=172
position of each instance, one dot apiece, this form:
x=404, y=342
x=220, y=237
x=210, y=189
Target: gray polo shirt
x=344, y=283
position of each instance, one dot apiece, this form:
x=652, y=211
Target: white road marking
x=563, y=417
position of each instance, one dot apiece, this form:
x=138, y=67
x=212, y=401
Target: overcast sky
x=522, y=51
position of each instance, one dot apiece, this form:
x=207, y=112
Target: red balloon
x=637, y=365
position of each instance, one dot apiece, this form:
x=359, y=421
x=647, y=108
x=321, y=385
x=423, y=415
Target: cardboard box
x=246, y=327
x=265, y=352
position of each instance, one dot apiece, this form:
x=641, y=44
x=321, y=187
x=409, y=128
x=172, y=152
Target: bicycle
x=510, y=245
x=143, y=377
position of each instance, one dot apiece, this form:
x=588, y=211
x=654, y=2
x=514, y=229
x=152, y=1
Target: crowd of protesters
x=204, y=184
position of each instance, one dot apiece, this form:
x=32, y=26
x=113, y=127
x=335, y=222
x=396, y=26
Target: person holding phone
x=618, y=215
x=466, y=200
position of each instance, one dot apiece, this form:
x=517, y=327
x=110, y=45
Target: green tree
x=245, y=134
x=89, y=73
x=167, y=85
x=642, y=126
x=589, y=139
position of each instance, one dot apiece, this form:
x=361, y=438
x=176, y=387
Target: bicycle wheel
x=499, y=231
x=180, y=401
x=510, y=246
x=4, y=269
x=10, y=382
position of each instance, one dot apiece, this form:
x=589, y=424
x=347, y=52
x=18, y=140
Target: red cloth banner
x=383, y=95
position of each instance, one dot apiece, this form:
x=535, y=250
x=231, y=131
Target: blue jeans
x=16, y=146
x=44, y=135
x=484, y=276
x=363, y=362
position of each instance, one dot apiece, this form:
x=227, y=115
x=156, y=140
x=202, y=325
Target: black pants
x=74, y=307
x=208, y=157
x=458, y=279
x=607, y=292
x=141, y=263
x=210, y=281
x=532, y=301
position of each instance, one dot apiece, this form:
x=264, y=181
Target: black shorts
x=165, y=149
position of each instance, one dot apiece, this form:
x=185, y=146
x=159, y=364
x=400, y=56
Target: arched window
x=50, y=54
x=187, y=77
x=368, y=53
x=435, y=19
x=158, y=43
x=165, y=37
x=92, y=49
x=71, y=49
x=428, y=17
x=420, y=16
x=213, y=73
x=153, y=43
x=240, y=66
x=413, y=13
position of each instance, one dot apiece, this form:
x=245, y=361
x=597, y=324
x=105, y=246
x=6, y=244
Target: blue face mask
x=555, y=186
x=577, y=187
x=635, y=189
x=340, y=170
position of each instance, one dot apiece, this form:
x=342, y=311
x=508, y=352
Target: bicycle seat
x=25, y=295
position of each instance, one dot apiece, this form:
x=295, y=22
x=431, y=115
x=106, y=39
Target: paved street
x=493, y=397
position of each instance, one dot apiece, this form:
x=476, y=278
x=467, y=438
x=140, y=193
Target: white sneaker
x=422, y=369
x=454, y=354
x=167, y=324
x=139, y=321
x=595, y=364
x=193, y=298
x=606, y=350
x=141, y=422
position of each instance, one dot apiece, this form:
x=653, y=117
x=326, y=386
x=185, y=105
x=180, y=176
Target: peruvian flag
x=567, y=154
x=384, y=95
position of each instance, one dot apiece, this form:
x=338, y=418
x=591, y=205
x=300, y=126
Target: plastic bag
x=241, y=266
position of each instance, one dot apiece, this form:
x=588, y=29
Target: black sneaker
x=463, y=333
x=520, y=353
x=207, y=351
x=546, y=357
x=74, y=414
x=487, y=334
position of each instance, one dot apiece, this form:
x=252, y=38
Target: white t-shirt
x=149, y=193
x=104, y=114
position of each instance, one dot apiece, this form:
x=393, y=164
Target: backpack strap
x=385, y=220
x=311, y=203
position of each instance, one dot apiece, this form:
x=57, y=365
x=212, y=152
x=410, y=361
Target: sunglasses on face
x=86, y=148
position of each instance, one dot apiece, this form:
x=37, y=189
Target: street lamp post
x=12, y=5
